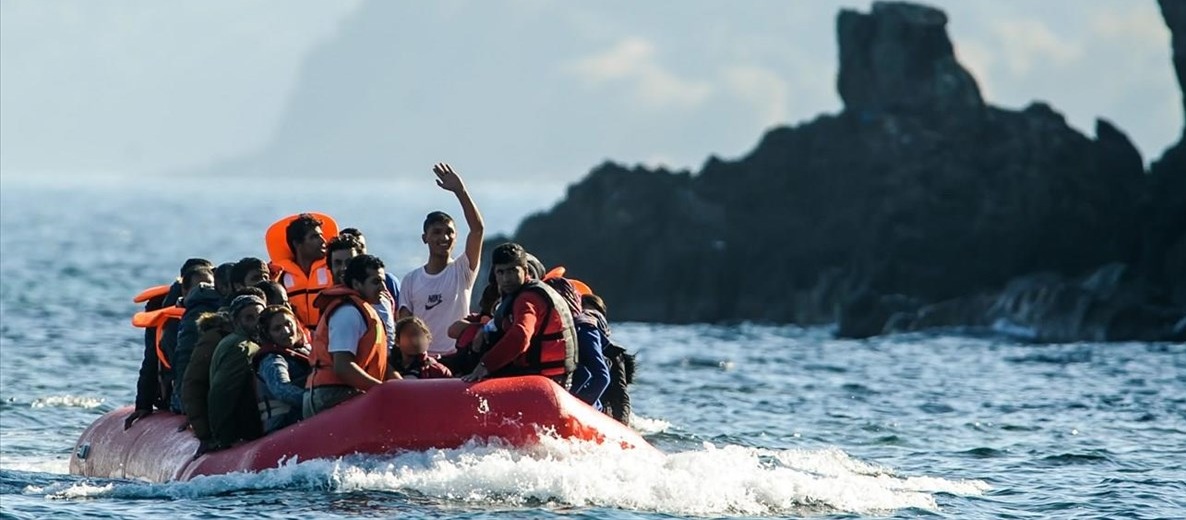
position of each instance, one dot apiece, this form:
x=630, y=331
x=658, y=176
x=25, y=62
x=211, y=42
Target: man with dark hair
x=338, y=253
x=222, y=281
x=249, y=271
x=439, y=291
x=200, y=298
x=154, y=384
x=391, y=281
x=536, y=334
x=213, y=327
x=231, y=405
x=346, y=246
x=349, y=347
x=191, y=263
x=274, y=293
x=301, y=268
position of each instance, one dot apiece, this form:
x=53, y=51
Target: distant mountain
x=504, y=98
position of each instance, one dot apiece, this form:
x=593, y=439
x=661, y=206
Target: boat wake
x=712, y=481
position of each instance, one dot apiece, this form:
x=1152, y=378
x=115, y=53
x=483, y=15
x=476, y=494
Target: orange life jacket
x=552, y=350
x=372, y=346
x=158, y=291
x=302, y=288
x=158, y=319
x=582, y=288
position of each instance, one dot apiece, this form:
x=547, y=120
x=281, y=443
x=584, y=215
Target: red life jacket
x=552, y=350
x=372, y=346
x=466, y=338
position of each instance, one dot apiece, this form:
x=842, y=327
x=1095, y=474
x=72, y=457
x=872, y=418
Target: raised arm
x=449, y=180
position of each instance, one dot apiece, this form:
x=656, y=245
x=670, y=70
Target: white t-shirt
x=346, y=326
x=439, y=299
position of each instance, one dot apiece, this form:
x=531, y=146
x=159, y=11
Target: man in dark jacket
x=232, y=405
x=202, y=298
x=195, y=392
x=615, y=401
x=155, y=382
x=196, y=383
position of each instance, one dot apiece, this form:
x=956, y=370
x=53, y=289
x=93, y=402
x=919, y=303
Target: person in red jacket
x=533, y=326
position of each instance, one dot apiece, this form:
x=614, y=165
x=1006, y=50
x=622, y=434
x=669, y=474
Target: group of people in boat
x=246, y=348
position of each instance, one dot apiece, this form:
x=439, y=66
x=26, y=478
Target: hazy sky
x=145, y=87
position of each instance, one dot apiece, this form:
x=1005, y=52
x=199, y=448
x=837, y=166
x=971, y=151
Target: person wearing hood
x=231, y=405
x=162, y=312
x=592, y=375
x=195, y=386
x=615, y=401
x=201, y=298
x=282, y=367
x=195, y=392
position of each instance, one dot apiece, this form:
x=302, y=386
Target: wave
x=645, y=426
x=712, y=481
x=67, y=401
x=35, y=464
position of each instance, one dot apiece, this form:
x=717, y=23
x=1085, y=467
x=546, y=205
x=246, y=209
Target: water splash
x=713, y=481
x=645, y=426
x=67, y=401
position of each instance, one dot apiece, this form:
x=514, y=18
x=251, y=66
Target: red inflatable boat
x=397, y=416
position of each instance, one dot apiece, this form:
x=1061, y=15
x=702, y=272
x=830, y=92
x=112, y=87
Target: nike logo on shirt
x=433, y=301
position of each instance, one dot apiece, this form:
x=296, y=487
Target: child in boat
x=413, y=337
x=282, y=366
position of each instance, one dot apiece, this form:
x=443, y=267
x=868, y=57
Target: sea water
x=750, y=420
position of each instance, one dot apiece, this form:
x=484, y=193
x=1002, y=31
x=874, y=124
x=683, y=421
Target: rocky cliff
x=917, y=193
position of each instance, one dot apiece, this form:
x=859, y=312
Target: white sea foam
x=645, y=426
x=35, y=464
x=713, y=481
x=66, y=401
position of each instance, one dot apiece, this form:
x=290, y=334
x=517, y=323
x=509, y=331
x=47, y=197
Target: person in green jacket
x=231, y=405
x=196, y=385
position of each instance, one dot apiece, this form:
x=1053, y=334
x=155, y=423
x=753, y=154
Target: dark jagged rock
x=1174, y=13
x=649, y=231
x=917, y=190
x=1049, y=307
x=898, y=58
x=1164, y=255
